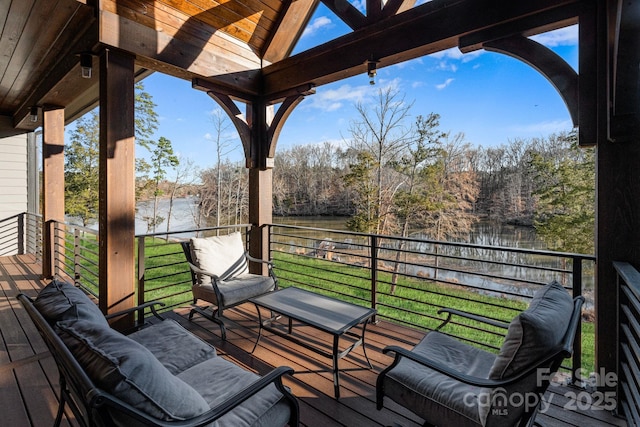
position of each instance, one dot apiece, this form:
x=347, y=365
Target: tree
x=565, y=216
x=377, y=137
x=184, y=176
x=224, y=189
x=81, y=156
x=81, y=169
x=161, y=158
x=146, y=118
x=360, y=177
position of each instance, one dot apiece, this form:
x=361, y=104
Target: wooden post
x=260, y=185
x=117, y=195
x=52, y=180
x=260, y=214
x=259, y=130
x=614, y=99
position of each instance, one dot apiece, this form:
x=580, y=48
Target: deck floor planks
x=35, y=376
x=29, y=374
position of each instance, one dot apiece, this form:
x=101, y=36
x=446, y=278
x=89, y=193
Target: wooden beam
x=347, y=13
x=417, y=32
x=548, y=63
x=625, y=120
x=117, y=192
x=288, y=29
x=539, y=23
x=53, y=182
x=283, y=112
x=393, y=7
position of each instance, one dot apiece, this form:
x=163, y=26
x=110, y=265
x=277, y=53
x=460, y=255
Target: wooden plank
x=20, y=12
x=137, y=38
x=160, y=17
x=312, y=383
x=25, y=350
x=238, y=19
x=36, y=41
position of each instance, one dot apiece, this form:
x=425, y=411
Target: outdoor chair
x=220, y=275
x=450, y=383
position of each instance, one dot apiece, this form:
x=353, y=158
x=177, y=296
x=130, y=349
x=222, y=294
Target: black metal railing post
x=21, y=233
x=373, y=241
x=577, y=343
x=141, y=277
x=76, y=256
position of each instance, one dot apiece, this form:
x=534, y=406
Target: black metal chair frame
x=217, y=312
x=553, y=361
x=92, y=406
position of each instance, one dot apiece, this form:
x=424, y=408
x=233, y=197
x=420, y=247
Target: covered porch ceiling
x=240, y=47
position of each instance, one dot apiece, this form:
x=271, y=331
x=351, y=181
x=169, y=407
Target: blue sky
x=489, y=97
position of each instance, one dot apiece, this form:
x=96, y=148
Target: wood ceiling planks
x=34, y=35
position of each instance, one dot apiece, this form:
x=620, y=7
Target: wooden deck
x=29, y=383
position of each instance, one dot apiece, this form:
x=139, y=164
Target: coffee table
x=326, y=314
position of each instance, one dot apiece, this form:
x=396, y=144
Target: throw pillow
x=130, y=372
x=223, y=256
x=535, y=332
x=61, y=300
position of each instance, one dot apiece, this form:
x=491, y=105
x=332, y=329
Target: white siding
x=13, y=175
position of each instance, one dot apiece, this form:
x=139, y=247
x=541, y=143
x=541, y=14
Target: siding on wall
x=13, y=175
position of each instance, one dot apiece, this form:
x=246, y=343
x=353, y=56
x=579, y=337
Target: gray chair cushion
x=173, y=346
x=223, y=256
x=130, y=372
x=535, y=332
x=61, y=300
x=432, y=395
x=243, y=287
x=217, y=379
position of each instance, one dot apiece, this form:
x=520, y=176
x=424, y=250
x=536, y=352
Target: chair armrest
x=468, y=379
x=150, y=304
x=250, y=258
x=451, y=312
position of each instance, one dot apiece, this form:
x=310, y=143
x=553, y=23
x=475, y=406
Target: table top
x=325, y=313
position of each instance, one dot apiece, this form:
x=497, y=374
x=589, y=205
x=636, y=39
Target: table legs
x=335, y=355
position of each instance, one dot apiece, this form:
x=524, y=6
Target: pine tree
x=565, y=216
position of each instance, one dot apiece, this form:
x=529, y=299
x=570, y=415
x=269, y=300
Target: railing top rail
x=439, y=242
x=78, y=227
x=629, y=274
x=193, y=230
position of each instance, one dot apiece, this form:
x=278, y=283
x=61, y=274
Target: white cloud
x=335, y=98
x=544, y=128
x=317, y=24
x=445, y=84
x=361, y=5
x=453, y=53
x=566, y=36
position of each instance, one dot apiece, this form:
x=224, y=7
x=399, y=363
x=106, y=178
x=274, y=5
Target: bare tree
x=185, y=173
x=381, y=133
